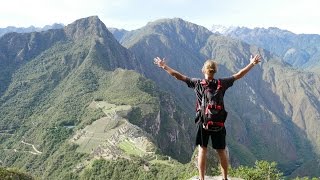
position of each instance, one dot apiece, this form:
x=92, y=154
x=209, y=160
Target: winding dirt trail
x=34, y=148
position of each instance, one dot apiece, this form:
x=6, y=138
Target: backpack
x=211, y=112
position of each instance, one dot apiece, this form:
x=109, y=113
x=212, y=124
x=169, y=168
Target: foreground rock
x=215, y=178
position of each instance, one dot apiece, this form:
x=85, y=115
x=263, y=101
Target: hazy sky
x=298, y=16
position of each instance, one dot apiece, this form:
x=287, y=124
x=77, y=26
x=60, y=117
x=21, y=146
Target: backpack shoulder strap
x=219, y=85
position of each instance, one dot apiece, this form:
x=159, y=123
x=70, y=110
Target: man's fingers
x=257, y=57
x=158, y=61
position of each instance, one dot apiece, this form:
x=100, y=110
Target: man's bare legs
x=202, y=158
x=223, y=162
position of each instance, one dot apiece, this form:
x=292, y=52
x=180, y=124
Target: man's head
x=209, y=68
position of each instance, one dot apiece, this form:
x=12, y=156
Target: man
x=217, y=137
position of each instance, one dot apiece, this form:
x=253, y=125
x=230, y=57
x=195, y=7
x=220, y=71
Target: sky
x=298, y=16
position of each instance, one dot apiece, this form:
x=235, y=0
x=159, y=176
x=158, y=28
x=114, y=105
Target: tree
x=261, y=170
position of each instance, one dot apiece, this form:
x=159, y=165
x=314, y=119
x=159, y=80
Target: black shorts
x=218, y=138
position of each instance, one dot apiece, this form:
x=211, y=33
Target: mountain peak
x=169, y=20
x=245, y=30
x=177, y=30
x=222, y=29
x=177, y=22
x=86, y=27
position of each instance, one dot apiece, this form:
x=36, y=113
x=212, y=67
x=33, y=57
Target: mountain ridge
x=29, y=29
x=49, y=97
x=299, y=50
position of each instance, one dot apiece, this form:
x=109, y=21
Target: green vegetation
x=261, y=170
x=49, y=99
x=163, y=169
x=130, y=148
x=12, y=174
x=137, y=169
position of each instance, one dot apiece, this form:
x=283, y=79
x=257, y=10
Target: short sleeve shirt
x=194, y=83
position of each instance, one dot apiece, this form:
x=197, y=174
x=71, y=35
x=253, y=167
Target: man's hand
x=255, y=59
x=159, y=62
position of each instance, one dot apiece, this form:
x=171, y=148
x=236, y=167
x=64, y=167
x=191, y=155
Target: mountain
x=71, y=95
x=299, y=50
x=118, y=33
x=270, y=101
x=53, y=26
x=222, y=29
x=29, y=29
x=77, y=104
x=177, y=41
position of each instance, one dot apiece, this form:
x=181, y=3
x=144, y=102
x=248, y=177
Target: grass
x=164, y=162
x=130, y=148
x=97, y=133
x=111, y=109
x=88, y=144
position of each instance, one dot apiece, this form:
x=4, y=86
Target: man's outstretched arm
x=161, y=63
x=253, y=61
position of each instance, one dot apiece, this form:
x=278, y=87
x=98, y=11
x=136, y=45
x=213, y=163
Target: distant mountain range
x=298, y=50
x=29, y=29
x=118, y=33
x=72, y=95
